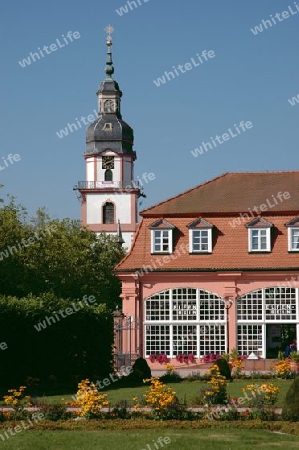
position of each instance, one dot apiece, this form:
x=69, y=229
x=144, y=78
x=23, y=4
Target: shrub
x=141, y=371
x=260, y=395
x=120, y=410
x=159, y=397
x=224, y=368
x=16, y=399
x=55, y=412
x=216, y=393
x=68, y=351
x=90, y=400
x=290, y=409
x=171, y=376
x=282, y=369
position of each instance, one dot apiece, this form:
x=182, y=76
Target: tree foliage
x=41, y=254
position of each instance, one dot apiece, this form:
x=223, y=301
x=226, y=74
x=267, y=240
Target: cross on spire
x=109, y=30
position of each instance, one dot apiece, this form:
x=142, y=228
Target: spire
x=119, y=234
x=109, y=69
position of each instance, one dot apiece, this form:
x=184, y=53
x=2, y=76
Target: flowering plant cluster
x=235, y=362
x=282, y=369
x=159, y=397
x=210, y=357
x=216, y=392
x=16, y=399
x=185, y=358
x=170, y=368
x=264, y=394
x=90, y=400
x=161, y=358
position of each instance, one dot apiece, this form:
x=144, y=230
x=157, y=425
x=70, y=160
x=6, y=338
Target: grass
x=186, y=391
x=192, y=439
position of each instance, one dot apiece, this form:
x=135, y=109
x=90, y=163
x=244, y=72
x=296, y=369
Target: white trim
x=268, y=240
x=191, y=231
x=290, y=240
x=170, y=246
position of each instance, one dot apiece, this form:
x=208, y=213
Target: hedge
x=73, y=348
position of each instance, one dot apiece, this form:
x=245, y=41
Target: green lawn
x=186, y=391
x=209, y=439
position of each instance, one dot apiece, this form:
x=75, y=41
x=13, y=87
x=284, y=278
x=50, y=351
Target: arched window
x=184, y=321
x=265, y=316
x=108, y=213
x=108, y=175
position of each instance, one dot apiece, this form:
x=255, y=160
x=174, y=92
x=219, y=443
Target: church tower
x=109, y=195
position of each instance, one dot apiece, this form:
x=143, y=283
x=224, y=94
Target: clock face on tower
x=108, y=162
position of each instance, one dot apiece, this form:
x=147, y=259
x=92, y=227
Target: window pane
x=295, y=239
x=211, y=339
x=259, y=239
x=184, y=339
x=161, y=240
x=280, y=304
x=250, y=339
x=250, y=306
x=157, y=339
x=200, y=240
x=195, y=322
x=108, y=213
x=184, y=304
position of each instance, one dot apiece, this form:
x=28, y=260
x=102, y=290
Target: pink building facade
x=209, y=271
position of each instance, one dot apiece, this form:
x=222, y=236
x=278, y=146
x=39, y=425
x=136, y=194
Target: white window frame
x=290, y=239
x=277, y=304
x=268, y=240
x=207, y=327
x=191, y=235
x=170, y=243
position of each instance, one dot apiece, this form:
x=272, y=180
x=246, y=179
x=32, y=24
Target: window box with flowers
x=185, y=358
x=161, y=358
x=210, y=357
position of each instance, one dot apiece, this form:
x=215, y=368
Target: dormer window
x=161, y=237
x=200, y=236
x=293, y=235
x=259, y=235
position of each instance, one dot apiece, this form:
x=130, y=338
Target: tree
x=41, y=255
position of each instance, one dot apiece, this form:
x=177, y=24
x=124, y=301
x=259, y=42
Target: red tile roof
x=220, y=201
x=233, y=192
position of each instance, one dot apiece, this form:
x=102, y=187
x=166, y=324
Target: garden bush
x=73, y=348
x=55, y=412
x=140, y=372
x=224, y=368
x=290, y=409
x=171, y=376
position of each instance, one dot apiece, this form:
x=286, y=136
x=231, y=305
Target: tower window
x=108, y=213
x=107, y=127
x=108, y=175
x=110, y=106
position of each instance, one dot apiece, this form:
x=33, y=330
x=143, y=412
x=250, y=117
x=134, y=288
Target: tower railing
x=123, y=185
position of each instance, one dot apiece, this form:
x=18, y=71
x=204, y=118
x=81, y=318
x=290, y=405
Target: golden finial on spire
x=109, y=30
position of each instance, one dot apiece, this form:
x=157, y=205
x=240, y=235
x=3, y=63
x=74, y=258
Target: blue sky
x=250, y=78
